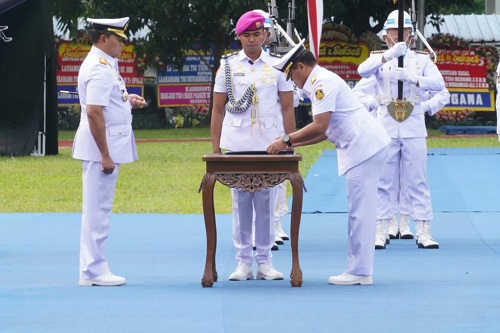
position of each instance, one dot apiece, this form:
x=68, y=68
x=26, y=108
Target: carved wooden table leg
x=297, y=187
x=210, y=273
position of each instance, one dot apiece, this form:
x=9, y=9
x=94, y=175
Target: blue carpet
x=453, y=289
x=460, y=179
x=470, y=130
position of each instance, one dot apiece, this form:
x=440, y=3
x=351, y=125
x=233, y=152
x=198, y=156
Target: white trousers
x=98, y=196
x=398, y=194
x=281, y=202
x=245, y=205
x=361, y=185
x=408, y=158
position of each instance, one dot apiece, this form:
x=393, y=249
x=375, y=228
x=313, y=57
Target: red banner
x=71, y=55
x=464, y=73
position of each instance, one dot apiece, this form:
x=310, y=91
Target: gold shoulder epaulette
x=275, y=55
x=377, y=51
x=103, y=60
x=230, y=55
x=422, y=51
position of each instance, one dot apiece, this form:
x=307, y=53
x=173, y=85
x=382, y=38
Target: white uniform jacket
x=355, y=133
x=99, y=83
x=430, y=81
x=238, y=131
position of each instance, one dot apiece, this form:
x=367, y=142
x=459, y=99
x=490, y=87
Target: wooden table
x=250, y=173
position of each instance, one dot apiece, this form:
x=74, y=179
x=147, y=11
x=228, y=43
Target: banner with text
x=464, y=73
x=343, y=59
x=71, y=55
x=192, y=86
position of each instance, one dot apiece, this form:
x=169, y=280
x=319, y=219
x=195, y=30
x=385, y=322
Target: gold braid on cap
x=287, y=68
x=116, y=30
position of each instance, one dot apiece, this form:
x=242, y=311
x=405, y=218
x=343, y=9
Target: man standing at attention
x=103, y=141
x=408, y=148
x=252, y=105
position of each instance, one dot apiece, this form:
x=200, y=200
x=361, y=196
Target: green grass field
x=164, y=180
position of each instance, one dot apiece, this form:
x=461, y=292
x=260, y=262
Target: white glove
x=395, y=51
x=426, y=108
x=369, y=102
x=402, y=74
x=373, y=106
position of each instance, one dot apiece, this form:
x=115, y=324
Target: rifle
x=281, y=41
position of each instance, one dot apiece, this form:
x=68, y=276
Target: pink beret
x=249, y=21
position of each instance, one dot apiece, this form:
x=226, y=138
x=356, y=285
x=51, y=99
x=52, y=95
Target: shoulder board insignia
x=275, y=55
x=377, y=51
x=230, y=55
x=422, y=52
x=103, y=60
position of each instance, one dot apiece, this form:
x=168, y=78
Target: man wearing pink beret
x=252, y=105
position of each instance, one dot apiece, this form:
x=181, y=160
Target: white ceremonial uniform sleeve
x=436, y=102
x=431, y=78
x=98, y=87
x=366, y=90
x=324, y=97
x=368, y=67
x=220, y=80
x=283, y=84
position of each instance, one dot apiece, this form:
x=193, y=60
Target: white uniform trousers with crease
x=362, y=185
x=98, y=195
x=264, y=202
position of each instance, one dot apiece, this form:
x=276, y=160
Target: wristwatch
x=286, y=139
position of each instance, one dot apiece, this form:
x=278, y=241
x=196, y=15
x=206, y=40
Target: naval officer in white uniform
x=252, y=105
x=361, y=147
x=104, y=140
x=408, y=149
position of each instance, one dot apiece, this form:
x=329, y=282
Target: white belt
x=386, y=98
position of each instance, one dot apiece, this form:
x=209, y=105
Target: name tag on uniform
x=238, y=74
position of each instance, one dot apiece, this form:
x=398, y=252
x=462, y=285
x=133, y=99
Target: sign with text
x=71, y=55
x=184, y=94
x=343, y=59
x=191, y=85
x=464, y=73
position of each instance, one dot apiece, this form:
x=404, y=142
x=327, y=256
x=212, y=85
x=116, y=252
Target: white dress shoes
x=242, y=272
x=268, y=272
x=108, y=279
x=349, y=279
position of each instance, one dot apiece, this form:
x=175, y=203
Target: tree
x=177, y=25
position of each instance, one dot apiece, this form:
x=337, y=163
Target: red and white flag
x=315, y=19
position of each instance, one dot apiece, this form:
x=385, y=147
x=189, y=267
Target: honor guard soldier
x=361, y=147
x=252, y=105
x=104, y=140
x=405, y=125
